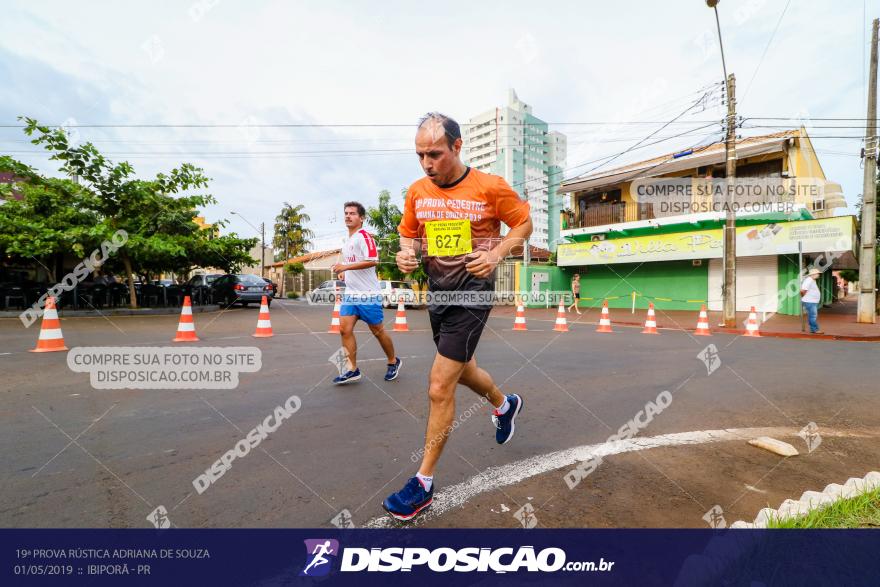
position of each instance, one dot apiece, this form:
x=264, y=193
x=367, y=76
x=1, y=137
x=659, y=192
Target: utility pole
x=729, y=289
x=262, y=249
x=286, y=257
x=868, y=252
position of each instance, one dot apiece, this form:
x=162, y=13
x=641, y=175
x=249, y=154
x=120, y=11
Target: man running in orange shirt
x=453, y=218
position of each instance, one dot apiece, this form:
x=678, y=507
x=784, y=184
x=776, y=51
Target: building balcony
x=609, y=213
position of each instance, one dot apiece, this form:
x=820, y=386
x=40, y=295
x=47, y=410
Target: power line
x=341, y=125
x=625, y=151
x=802, y=118
x=253, y=155
x=323, y=152
x=764, y=54
x=838, y=126
x=197, y=153
x=614, y=156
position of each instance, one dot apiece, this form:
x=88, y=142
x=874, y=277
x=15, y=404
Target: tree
x=161, y=228
x=43, y=218
x=853, y=274
x=384, y=219
x=295, y=268
x=291, y=237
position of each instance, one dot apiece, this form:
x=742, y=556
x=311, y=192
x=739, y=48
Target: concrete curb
x=845, y=337
x=737, y=331
x=812, y=500
x=121, y=312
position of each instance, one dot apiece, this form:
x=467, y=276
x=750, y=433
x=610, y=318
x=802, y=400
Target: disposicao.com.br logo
x=441, y=560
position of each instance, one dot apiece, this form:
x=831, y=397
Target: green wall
x=826, y=287
x=677, y=281
x=558, y=281
x=789, y=286
x=789, y=293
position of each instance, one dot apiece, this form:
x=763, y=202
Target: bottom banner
x=439, y=557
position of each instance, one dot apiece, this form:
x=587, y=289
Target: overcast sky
x=219, y=62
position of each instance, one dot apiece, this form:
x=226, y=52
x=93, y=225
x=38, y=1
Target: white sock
x=427, y=482
x=502, y=409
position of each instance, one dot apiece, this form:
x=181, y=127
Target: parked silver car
x=326, y=292
x=395, y=291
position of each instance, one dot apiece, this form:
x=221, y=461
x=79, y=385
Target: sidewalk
x=837, y=322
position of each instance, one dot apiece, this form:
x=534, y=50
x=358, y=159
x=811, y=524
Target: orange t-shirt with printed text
x=483, y=199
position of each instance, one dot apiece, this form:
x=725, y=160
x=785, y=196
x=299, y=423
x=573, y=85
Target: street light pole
x=728, y=292
x=262, y=230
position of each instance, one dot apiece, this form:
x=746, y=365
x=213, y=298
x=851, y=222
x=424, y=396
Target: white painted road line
x=492, y=478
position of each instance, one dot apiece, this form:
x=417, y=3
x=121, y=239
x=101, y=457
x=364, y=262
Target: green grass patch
x=862, y=511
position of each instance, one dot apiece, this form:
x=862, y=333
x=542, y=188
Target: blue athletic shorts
x=368, y=311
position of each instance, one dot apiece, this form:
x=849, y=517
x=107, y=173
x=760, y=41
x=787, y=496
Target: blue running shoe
x=393, y=370
x=348, y=377
x=506, y=425
x=409, y=501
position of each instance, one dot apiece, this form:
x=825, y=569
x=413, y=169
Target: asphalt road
x=80, y=457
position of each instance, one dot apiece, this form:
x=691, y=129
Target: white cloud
x=348, y=62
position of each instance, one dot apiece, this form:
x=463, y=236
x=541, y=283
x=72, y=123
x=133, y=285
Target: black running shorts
x=457, y=331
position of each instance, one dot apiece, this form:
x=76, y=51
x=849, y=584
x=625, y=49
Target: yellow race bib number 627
x=448, y=237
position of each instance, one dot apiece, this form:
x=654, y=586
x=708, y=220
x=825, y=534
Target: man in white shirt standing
x=362, y=299
x=810, y=298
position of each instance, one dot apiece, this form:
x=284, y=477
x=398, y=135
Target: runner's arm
x=354, y=266
x=408, y=229
x=484, y=262
x=515, y=238
x=406, y=256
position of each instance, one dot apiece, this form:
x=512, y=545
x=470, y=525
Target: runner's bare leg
x=442, y=382
x=378, y=331
x=480, y=382
x=349, y=342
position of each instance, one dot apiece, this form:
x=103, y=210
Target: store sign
x=830, y=234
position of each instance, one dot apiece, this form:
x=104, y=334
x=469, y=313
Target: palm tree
x=291, y=238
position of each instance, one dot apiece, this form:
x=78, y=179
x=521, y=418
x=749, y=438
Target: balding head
x=440, y=125
x=438, y=145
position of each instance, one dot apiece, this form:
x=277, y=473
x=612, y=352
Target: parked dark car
x=199, y=287
x=273, y=284
x=240, y=289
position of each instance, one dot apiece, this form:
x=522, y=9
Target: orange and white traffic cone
x=752, y=324
x=400, y=319
x=604, y=319
x=519, y=323
x=650, y=321
x=264, y=325
x=334, y=321
x=50, y=338
x=186, y=330
x=561, y=322
x=703, y=324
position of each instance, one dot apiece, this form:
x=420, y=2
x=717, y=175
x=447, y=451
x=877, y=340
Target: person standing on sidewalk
x=454, y=217
x=810, y=298
x=575, y=292
x=361, y=299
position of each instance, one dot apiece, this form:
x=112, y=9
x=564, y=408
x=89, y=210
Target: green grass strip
x=862, y=511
